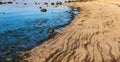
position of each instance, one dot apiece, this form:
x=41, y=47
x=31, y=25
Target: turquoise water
x=24, y=26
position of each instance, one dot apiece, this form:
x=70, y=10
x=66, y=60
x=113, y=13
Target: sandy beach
x=93, y=36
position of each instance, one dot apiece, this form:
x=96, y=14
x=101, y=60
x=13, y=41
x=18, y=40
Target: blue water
x=23, y=26
x=30, y=22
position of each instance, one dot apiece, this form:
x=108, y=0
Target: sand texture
x=93, y=36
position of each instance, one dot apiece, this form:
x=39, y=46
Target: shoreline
x=93, y=36
x=59, y=28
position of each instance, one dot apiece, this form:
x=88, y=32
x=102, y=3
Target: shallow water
x=23, y=26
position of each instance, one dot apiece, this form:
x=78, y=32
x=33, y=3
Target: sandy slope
x=93, y=36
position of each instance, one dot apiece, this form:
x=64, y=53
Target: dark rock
x=25, y=3
x=58, y=3
x=9, y=2
x=65, y=1
x=52, y=3
x=16, y=2
x=40, y=7
x=38, y=3
x=35, y=3
x=46, y=3
x=51, y=31
x=43, y=10
x=2, y=3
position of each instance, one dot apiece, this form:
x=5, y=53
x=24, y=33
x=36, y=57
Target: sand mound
x=93, y=36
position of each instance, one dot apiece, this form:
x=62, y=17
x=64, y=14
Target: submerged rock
x=51, y=31
x=58, y=3
x=52, y=3
x=16, y=2
x=35, y=3
x=25, y=3
x=40, y=7
x=43, y=10
x=9, y=2
x=39, y=23
x=2, y=3
x=46, y=3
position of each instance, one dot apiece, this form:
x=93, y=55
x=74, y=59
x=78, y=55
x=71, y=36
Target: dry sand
x=93, y=36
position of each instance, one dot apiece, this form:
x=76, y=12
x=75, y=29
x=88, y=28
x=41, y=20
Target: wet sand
x=93, y=36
